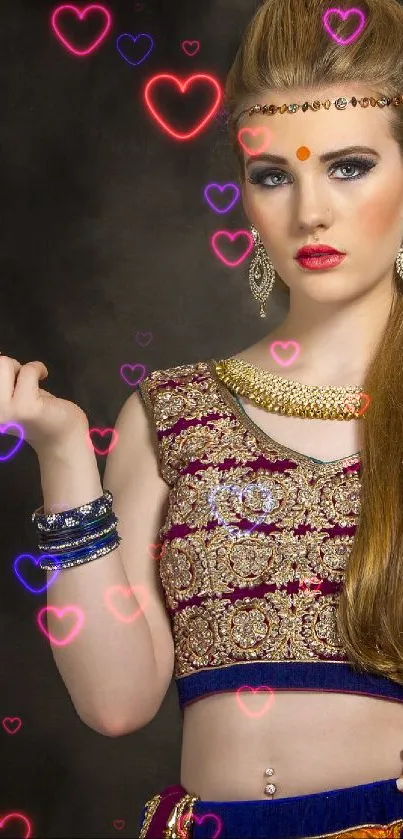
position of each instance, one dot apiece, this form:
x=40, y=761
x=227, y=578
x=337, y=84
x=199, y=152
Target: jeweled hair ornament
x=341, y=103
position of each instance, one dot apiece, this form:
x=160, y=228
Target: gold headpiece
x=340, y=103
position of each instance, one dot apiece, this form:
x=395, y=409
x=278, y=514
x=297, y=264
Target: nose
x=311, y=208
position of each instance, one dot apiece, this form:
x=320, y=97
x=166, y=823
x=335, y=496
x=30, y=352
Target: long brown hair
x=285, y=45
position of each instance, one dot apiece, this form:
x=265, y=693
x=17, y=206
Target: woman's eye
x=363, y=166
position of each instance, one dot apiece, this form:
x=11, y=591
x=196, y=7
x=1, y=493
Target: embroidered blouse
x=254, y=547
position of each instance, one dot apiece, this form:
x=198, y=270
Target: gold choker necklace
x=294, y=399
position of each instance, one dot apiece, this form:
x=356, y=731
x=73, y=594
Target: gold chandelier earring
x=399, y=264
x=261, y=273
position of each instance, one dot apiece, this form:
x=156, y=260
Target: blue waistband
x=377, y=806
x=335, y=677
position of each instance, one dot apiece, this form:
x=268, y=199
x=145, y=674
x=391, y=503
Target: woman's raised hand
x=46, y=420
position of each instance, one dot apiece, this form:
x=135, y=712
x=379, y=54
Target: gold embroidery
x=287, y=621
x=151, y=807
x=369, y=831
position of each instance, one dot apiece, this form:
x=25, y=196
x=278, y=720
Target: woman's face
x=353, y=206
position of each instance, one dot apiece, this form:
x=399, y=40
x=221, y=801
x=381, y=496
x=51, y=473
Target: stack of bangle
x=77, y=536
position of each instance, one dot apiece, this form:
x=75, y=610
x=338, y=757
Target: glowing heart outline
x=256, y=715
x=126, y=590
x=23, y=818
x=60, y=613
x=232, y=529
x=222, y=188
x=190, y=54
x=81, y=14
x=134, y=38
x=283, y=345
x=187, y=817
x=183, y=87
x=344, y=14
x=5, y=721
x=132, y=367
x=232, y=236
x=36, y=561
x=254, y=152
x=102, y=432
x=19, y=442
x=364, y=396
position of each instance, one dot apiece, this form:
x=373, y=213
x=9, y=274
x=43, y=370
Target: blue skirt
x=370, y=810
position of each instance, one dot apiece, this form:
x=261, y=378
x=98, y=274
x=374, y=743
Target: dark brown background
x=104, y=233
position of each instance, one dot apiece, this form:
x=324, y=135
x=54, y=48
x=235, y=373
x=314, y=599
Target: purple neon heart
x=135, y=38
x=17, y=444
x=222, y=189
x=148, y=336
x=344, y=15
x=36, y=561
x=133, y=367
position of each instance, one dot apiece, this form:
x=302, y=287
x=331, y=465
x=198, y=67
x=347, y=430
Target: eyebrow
x=324, y=158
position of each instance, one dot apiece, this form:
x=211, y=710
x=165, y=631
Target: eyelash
x=362, y=163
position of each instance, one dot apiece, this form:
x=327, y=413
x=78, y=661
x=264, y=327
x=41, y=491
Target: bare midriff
x=313, y=741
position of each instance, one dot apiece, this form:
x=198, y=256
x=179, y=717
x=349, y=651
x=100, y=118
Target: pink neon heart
x=8, y=724
x=187, y=817
x=143, y=338
x=265, y=708
x=344, y=15
x=285, y=345
x=119, y=824
x=132, y=368
x=232, y=236
x=102, y=432
x=255, y=131
x=187, y=47
x=60, y=613
x=210, y=81
x=22, y=818
x=126, y=592
x=81, y=14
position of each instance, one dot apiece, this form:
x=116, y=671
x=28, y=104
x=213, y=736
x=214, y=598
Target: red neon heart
x=162, y=549
x=269, y=701
x=199, y=78
x=22, y=818
x=190, y=47
x=119, y=824
x=231, y=237
x=365, y=397
x=81, y=14
x=254, y=131
x=125, y=592
x=102, y=432
x=11, y=724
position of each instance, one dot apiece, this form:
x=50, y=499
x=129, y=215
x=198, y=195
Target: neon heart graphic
x=267, y=705
x=184, y=820
x=143, y=338
x=17, y=445
x=11, y=724
x=21, y=818
x=223, y=188
x=344, y=15
x=191, y=48
x=126, y=592
x=253, y=150
x=162, y=549
x=35, y=561
x=364, y=399
x=183, y=86
x=284, y=346
x=232, y=236
x=102, y=432
x=119, y=824
x=132, y=368
x=135, y=38
x=60, y=614
x=239, y=491
x=81, y=15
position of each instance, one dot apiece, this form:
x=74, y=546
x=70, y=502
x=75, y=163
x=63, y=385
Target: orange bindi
x=303, y=153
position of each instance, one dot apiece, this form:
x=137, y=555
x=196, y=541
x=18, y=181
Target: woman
x=278, y=602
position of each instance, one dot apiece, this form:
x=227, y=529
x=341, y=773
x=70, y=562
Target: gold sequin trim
x=151, y=808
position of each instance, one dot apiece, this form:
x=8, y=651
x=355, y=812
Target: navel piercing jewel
x=270, y=788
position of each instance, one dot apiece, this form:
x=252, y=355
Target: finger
x=9, y=368
x=27, y=386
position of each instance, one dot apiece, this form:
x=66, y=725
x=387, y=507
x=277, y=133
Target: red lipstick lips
x=316, y=250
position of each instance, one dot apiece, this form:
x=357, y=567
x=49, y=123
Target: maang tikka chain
x=262, y=274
